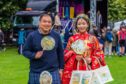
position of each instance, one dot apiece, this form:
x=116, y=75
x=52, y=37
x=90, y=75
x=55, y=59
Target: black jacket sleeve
x=28, y=48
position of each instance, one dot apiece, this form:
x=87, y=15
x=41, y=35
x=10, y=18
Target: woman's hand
x=88, y=60
x=79, y=57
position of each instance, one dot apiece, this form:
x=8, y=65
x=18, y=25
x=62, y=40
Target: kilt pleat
x=34, y=77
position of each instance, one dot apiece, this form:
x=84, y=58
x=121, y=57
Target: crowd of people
x=112, y=40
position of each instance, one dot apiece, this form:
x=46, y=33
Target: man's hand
x=38, y=54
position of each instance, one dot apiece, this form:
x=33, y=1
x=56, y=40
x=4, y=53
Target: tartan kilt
x=34, y=77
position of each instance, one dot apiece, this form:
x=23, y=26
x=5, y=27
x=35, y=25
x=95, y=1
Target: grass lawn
x=14, y=68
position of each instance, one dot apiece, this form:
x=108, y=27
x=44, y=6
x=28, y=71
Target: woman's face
x=82, y=25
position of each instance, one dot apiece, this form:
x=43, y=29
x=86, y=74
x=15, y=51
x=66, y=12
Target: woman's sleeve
x=98, y=52
x=68, y=52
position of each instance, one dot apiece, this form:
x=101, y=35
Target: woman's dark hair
x=122, y=25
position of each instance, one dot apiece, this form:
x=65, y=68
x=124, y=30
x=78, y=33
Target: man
x=99, y=20
x=21, y=40
x=44, y=49
x=108, y=42
x=94, y=31
x=57, y=23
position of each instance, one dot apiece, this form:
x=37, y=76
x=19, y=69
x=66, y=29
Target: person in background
x=125, y=40
x=121, y=39
x=95, y=31
x=99, y=19
x=1, y=39
x=44, y=50
x=62, y=37
x=28, y=31
x=68, y=33
x=114, y=42
x=21, y=40
x=108, y=42
x=92, y=51
x=102, y=36
x=57, y=23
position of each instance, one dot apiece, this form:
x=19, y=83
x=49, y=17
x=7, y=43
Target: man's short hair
x=44, y=14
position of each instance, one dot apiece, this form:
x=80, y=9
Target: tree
x=116, y=10
x=7, y=9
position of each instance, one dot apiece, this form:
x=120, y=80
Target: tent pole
x=57, y=6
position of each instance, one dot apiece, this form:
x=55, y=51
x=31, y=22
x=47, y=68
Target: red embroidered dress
x=93, y=50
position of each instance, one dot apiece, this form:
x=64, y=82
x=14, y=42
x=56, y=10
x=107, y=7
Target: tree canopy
x=7, y=9
x=116, y=10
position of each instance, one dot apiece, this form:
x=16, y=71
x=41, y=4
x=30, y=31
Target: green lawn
x=14, y=68
x=117, y=67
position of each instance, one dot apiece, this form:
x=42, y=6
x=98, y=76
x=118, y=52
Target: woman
x=57, y=23
x=91, y=50
x=121, y=38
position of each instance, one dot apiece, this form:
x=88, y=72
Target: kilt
x=34, y=77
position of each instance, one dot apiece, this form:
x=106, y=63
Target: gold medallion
x=47, y=43
x=45, y=78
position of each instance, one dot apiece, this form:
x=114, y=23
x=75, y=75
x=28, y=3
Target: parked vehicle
x=28, y=19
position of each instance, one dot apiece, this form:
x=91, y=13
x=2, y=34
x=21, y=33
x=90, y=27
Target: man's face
x=45, y=23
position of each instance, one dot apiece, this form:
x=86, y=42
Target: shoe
x=120, y=55
x=45, y=78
